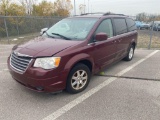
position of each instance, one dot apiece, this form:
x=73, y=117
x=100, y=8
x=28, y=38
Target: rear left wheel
x=130, y=54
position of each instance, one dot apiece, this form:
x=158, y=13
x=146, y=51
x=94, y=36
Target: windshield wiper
x=49, y=35
x=66, y=38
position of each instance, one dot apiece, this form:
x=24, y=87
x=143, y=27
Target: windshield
x=72, y=29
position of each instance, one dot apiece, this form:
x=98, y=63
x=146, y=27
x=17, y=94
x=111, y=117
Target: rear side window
x=105, y=27
x=131, y=24
x=120, y=25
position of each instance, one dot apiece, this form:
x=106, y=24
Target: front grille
x=19, y=63
x=145, y=25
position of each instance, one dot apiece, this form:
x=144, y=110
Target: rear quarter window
x=131, y=24
x=120, y=25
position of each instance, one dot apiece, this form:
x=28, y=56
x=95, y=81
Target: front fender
x=77, y=58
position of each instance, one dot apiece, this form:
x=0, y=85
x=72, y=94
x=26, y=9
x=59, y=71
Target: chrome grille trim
x=19, y=58
x=15, y=63
x=20, y=63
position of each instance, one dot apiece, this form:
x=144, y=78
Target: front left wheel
x=78, y=78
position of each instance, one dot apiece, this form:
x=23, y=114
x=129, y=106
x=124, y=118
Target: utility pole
x=74, y=7
x=91, y=8
x=88, y=6
x=151, y=34
x=84, y=7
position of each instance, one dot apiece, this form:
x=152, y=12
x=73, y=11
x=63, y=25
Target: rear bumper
x=156, y=29
x=40, y=80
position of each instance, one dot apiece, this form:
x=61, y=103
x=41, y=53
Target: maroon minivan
x=69, y=52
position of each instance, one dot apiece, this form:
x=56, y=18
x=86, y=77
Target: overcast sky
x=128, y=7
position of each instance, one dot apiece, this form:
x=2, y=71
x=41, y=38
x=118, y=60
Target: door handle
x=119, y=40
x=114, y=41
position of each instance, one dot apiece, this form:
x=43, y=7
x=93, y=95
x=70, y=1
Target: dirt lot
x=18, y=39
x=144, y=39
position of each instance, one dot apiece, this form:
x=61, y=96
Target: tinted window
x=106, y=27
x=120, y=25
x=131, y=24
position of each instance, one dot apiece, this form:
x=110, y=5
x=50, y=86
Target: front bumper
x=144, y=27
x=40, y=80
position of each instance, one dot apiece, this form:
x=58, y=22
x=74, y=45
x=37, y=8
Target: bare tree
x=28, y=5
x=142, y=17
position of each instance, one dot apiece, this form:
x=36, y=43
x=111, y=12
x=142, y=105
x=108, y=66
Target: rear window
x=131, y=24
x=120, y=25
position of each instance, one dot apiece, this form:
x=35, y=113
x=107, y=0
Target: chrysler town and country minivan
x=69, y=52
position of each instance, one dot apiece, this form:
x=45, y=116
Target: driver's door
x=105, y=51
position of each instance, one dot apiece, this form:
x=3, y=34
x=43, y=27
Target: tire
x=130, y=54
x=78, y=79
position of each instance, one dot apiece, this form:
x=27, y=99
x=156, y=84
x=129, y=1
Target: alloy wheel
x=79, y=79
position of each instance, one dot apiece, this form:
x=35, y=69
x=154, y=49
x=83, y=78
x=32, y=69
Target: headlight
x=47, y=62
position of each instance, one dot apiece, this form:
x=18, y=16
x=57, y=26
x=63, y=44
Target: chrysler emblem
x=21, y=55
x=16, y=53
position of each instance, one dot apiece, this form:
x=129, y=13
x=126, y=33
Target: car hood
x=42, y=46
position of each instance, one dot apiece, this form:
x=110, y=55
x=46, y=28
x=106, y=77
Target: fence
x=12, y=27
x=148, y=39
x=15, y=26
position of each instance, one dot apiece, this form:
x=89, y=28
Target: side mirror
x=43, y=30
x=101, y=36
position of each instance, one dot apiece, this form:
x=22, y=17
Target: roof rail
x=109, y=13
x=103, y=14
